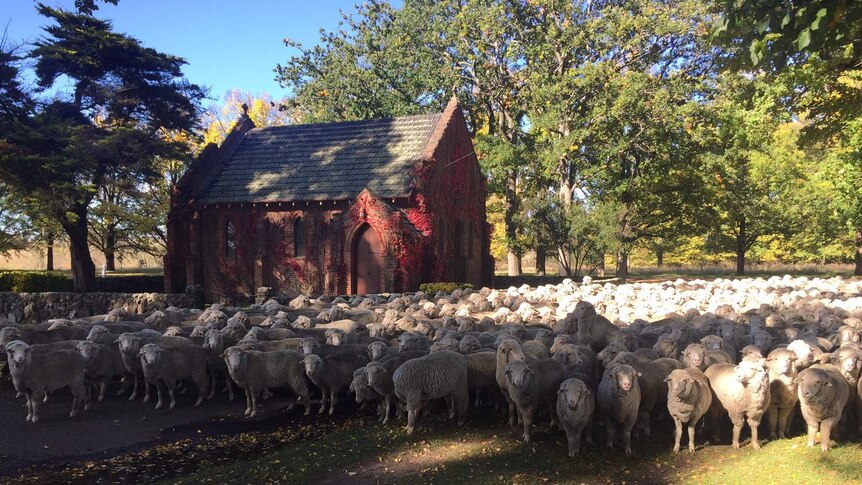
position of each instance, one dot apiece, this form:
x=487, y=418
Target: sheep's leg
x=323, y=395
x=609, y=434
x=147, y=390
x=691, y=426
x=812, y=434
x=211, y=394
x=574, y=437
x=753, y=424
x=160, y=397
x=737, y=429
x=627, y=434
x=772, y=422
x=677, y=434
x=387, y=409
x=826, y=427
x=783, y=421
x=513, y=411
x=247, y=390
x=461, y=398
x=134, y=389
x=172, y=394
x=29, y=406
x=411, y=418
x=552, y=409
x=253, y=408
x=306, y=401
x=229, y=384
x=527, y=420
x=35, y=399
x=333, y=394
x=201, y=383
x=103, y=389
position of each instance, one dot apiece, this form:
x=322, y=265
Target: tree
x=121, y=97
x=263, y=110
x=385, y=62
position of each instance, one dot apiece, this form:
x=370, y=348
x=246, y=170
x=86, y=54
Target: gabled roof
x=323, y=161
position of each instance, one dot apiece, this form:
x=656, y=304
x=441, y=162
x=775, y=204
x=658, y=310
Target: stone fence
x=39, y=307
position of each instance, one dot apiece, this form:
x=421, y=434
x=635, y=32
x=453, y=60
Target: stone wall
x=39, y=307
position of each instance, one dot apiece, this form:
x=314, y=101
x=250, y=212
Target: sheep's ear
x=828, y=383
x=639, y=374
x=797, y=380
x=667, y=379
x=117, y=341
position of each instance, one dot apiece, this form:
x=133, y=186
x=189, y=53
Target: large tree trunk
x=740, y=248
x=110, y=249
x=659, y=256
x=623, y=266
x=49, y=255
x=513, y=259
x=83, y=269
x=540, y=261
x=858, y=270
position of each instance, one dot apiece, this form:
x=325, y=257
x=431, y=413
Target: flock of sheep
x=579, y=355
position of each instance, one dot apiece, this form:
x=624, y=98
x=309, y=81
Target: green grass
x=487, y=452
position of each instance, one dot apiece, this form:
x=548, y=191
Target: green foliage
x=34, y=281
x=432, y=288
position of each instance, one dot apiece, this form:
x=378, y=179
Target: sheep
x=667, y=346
x=255, y=371
x=331, y=374
x=618, y=400
x=38, y=336
x=168, y=365
x=414, y=341
x=763, y=340
x=532, y=385
x=481, y=374
x=215, y=344
x=823, y=393
x=378, y=350
x=380, y=374
x=311, y=346
x=130, y=345
x=593, y=329
x=364, y=393
x=575, y=407
x=577, y=359
x=535, y=350
x=508, y=351
x=34, y=375
x=447, y=343
x=782, y=390
x=561, y=339
x=545, y=336
x=294, y=344
x=260, y=333
x=469, y=343
x=696, y=355
x=741, y=392
x=688, y=400
x=433, y=376
x=714, y=342
x=103, y=362
x=650, y=382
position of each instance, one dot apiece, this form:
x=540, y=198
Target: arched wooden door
x=367, y=261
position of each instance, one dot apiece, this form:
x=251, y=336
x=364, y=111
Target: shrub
x=34, y=281
x=432, y=288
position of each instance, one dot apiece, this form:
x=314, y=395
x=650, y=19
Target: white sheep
x=437, y=375
x=576, y=405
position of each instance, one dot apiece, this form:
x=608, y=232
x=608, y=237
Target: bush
x=432, y=288
x=34, y=281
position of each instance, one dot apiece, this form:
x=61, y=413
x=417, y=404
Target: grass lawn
x=485, y=451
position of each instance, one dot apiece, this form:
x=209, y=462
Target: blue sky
x=228, y=44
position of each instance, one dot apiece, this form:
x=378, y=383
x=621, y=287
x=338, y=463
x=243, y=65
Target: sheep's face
x=694, y=355
x=763, y=340
x=334, y=338
x=213, y=340
x=812, y=383
x=680, y=385
x=574, y=393
x=666, y=346
x=512, y=350
x=97, y=333
x=150, y=354
x=376, y=350
x=87, y=349
x=423, y=328
x=199, y=331
x=568, y=356
x=234, y=357
x=751, y=352
x=469, y=344
x=172, y=331
x=359, y=386
x=517, y=331
x=712, y=342
x=376, y=374
x=748, y=370
x=466, y=326
x=625, y=376
x=17, y=354
x=312, y=364
x=308, y=346
x=584, y=310
x=544, y=336
x=610, y=352
x=129, y=344
x=782, y=363
x=518, y=373
x=8, y=334
x=627, y=340
x=848, y=360
x=727, y=331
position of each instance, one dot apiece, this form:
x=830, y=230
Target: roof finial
x=245, y=110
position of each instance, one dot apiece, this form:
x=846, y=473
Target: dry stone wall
x=39, y=307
